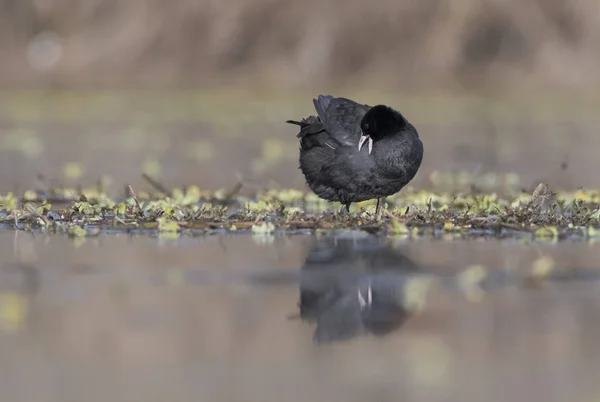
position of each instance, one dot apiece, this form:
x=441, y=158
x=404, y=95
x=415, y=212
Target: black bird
x=335, y=161
x=356, y=286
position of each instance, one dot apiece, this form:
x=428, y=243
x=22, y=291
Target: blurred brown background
x=186, y=88
x=291, y=43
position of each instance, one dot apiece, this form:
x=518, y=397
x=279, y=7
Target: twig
x=42, y=180
x=154, y=183
x=233, y=191
x=36, y=214
x=137, y=202
x=389, y=214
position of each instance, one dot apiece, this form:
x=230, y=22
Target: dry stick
x=16, y=191
x=154, y=183
x=16, y=240
x=15, y=212
x=233, y=191
x=47, y=183
x=389, y=214
x=42, y=180
x=137, y=202
x=29, y=208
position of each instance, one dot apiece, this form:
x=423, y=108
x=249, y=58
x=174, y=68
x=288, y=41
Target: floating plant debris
x=540, y=215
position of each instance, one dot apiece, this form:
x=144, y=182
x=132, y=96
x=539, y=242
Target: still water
x=293, y=318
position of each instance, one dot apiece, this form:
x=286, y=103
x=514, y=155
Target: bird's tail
x=310, y=125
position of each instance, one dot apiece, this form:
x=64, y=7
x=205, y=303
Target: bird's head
x=380, y=122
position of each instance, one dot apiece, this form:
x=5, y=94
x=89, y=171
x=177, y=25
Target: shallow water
x=215, y=319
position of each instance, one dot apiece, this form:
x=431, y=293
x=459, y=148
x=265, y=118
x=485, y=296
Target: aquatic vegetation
x=470, y=280
x=21, y=140
x=73, y=171
x=13, y=311
x=505, y=212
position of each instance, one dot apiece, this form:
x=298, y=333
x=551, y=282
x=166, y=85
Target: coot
x=352, y=152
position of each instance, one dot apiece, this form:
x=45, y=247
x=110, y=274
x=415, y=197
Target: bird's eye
x=366, y=126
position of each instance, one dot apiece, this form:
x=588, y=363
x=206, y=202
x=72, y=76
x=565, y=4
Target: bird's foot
x=345, y=210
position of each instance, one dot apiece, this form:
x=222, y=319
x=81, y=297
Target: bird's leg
x=378, y=209
x=345, y=209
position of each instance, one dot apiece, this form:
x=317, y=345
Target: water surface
x=214, y=319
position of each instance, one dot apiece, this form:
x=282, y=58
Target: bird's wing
x=341, y=118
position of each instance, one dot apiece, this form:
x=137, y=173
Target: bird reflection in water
x=354, y=286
